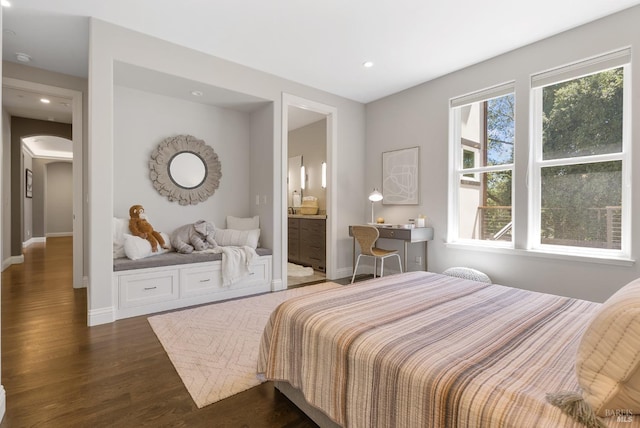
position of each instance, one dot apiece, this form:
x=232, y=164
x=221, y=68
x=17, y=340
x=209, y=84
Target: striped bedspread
x=427, y=350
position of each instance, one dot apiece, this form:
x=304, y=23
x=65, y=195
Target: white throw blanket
x=235, y=262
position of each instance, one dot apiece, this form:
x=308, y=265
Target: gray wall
x=58, y=213
x=52, y=189
x=6, y=190
x=142, y=120
x=420, y=117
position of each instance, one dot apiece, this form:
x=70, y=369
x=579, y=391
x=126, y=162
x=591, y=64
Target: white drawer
x=260, y=272
x=201, y=280
x=147, y=288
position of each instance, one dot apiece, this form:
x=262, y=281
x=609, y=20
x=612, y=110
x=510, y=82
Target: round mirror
x=187, y=170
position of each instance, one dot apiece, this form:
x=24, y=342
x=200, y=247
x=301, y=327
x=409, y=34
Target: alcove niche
x=150, y=106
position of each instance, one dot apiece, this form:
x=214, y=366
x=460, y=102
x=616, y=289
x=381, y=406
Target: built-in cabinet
x=307, y=242
x=145, y=291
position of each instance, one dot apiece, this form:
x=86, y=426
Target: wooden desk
x=417, y=234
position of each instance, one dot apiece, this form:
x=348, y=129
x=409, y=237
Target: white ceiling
x=321, y=44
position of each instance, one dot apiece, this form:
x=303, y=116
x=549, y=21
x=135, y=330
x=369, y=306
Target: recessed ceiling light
x=197, y=93
x=23, y=57
x=367, y=64
x=44, y=100
x=5, y=3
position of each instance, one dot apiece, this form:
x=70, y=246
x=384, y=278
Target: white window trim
x=622, y=257
x=456, y=171
x=538, y=82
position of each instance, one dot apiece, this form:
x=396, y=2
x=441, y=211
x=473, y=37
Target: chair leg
x=399, y=262
x=381, y=267
x=375, y=266
x=355, y=269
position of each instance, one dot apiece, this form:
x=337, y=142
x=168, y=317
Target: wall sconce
x=324, y=175
x=374, y=196
x=303, y=178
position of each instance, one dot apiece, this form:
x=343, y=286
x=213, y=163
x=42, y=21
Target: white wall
x=420, y=116
x=142, y=121
x=108, y=44
x=311, y=142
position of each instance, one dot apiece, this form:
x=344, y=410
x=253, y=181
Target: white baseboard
x=3, y=402
x=35, y=239
x=59, y=234
x=14, y=260
x=100, y=316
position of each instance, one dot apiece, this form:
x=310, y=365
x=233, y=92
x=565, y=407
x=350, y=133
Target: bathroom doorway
x=309, y=139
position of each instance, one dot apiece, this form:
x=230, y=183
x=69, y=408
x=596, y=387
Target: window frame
x=459, y=175
x=618, y=59
x=527, y=170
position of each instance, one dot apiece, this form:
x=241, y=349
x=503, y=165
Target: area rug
x=214, y=348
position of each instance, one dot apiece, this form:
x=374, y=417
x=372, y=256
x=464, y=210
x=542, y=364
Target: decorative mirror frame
x=160, y=163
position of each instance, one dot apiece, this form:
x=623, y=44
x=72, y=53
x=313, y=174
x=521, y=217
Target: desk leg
x=425, y=255
x=406, y=250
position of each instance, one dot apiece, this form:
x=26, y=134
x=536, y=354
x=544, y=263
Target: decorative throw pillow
x=237, y=238
x=239, y=223
x=607, y=362
x=137, y=248
x=120, y=226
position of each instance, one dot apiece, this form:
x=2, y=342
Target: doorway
x=72, y=101
x=309, y=136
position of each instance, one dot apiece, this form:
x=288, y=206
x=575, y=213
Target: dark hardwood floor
x=57, y=372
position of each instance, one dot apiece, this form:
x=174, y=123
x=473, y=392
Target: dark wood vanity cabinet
x=294, y=239
x=307, y=242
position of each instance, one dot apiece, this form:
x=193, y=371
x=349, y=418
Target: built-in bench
x=174, y=280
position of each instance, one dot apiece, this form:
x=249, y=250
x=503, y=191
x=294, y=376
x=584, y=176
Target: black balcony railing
x=593, y=227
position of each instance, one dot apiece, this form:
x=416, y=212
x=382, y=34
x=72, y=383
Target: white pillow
x=237, y=238
x=239, y=223
x=608, y=358
x=120, y=226
x=137, y=248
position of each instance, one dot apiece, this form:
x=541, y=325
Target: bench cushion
x=173, y=258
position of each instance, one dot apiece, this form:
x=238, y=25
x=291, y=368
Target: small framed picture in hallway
x=28, y=183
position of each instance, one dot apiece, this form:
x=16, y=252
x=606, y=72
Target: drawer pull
x=205, y=280
x=150, y=288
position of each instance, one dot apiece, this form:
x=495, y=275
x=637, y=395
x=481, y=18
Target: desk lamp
x=374, y=196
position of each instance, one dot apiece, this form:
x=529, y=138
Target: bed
x=427, y=350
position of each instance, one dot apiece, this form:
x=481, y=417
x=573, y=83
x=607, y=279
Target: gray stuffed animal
x=198, y=236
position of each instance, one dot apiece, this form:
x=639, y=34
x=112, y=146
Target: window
x=575, y=192
x=484, y=131
x=579, y=165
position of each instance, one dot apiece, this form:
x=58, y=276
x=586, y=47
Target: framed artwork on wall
x=400, y=176
x=28, y=183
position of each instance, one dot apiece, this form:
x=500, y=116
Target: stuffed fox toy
x=139, y=226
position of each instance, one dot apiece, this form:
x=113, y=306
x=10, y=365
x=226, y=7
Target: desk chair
x=367, y=237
